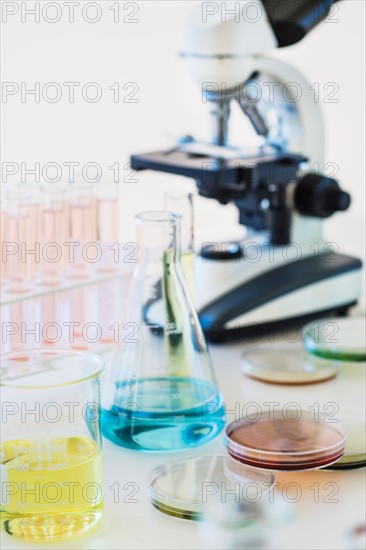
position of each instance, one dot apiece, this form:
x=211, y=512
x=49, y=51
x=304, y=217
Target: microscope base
x=281, y=297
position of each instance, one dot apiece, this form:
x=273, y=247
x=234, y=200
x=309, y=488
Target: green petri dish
x=355, y=450
x=340, y=339
x=186, y=488
x=287, y=365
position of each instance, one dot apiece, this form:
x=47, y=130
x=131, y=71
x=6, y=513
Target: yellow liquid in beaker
x=50, y=487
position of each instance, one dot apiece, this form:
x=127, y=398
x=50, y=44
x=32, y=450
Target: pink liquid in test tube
x=54, y=230
x=107, y=226
x=18, y=239
x=108, y=234
x=3, y=236
x=82, y=210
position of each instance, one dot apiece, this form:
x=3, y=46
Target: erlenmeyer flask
x=181, y=203
x=160, y=392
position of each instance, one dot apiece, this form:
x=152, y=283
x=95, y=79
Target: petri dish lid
x=355, y=451
x=287, y=365
x=343, y=339
x=186, y=488
x=286, y=440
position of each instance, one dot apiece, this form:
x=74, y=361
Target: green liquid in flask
x=164, y=414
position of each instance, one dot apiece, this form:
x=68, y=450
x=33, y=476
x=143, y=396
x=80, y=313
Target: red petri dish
x=284, y=440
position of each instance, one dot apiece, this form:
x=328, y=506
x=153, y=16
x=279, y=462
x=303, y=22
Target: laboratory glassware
x=161, y=392
x=107, y=226
x=50, y=444
x=287, y=365
x=83, y=228
x=355, y=452
x=3, y=234
x=54, y=233
x=181, y=203
x=286, y=439
x=18, y=237
x=342, y=339
x=186, y=488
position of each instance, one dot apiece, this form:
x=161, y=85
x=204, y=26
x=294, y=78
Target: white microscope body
x=270, y=282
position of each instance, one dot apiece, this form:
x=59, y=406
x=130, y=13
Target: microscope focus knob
x=319, y=196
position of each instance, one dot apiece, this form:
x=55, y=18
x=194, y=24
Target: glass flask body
x=181, y=203
x=160, y=393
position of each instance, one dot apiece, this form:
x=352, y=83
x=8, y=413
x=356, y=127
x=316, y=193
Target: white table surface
x=319, y=523
x=316, y=525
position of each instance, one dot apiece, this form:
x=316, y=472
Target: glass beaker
x=161, y=393
x=181, y=203
x=51, y=466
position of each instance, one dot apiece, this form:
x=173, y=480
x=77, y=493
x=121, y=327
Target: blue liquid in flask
x=164, y=414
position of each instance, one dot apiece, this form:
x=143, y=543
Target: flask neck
x=158, y=235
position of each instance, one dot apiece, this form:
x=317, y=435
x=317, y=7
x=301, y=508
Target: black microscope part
x=319, y=196
x=257, y=185
x=291, y=21
x=266, y=288
x=232, y=252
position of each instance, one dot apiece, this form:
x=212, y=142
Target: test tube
x=18, y=241
x=33, y=255
x=107, y=233
x=83, y=223
x=86, y=333
x=107, y=224
x=181, y=203
x=3, y=233
x=54, y=233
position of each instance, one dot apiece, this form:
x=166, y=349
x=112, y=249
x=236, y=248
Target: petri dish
x=286, y=440
x=342, y=339
x=355, y=450
x=287, y=365
x=186, y=488
x=356, y=537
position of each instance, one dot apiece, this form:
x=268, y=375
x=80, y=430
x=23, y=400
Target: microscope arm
x=291, y=21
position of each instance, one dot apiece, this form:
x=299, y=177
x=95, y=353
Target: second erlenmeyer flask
x=161, y=392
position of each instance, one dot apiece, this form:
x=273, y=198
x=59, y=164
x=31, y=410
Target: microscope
x=282, y=274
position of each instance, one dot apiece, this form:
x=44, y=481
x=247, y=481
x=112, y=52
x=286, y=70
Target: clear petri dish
x=355, y=450
x=289, y=365
x=286, y=440
x=342, y=339
x=186, y=488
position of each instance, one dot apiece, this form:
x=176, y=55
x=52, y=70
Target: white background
x=169, y=102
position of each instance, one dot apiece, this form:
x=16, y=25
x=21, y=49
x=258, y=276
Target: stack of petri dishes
x=329, y=347
x=342, y=341
x=276, y=440
x=256, y=447
x=285, y=441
